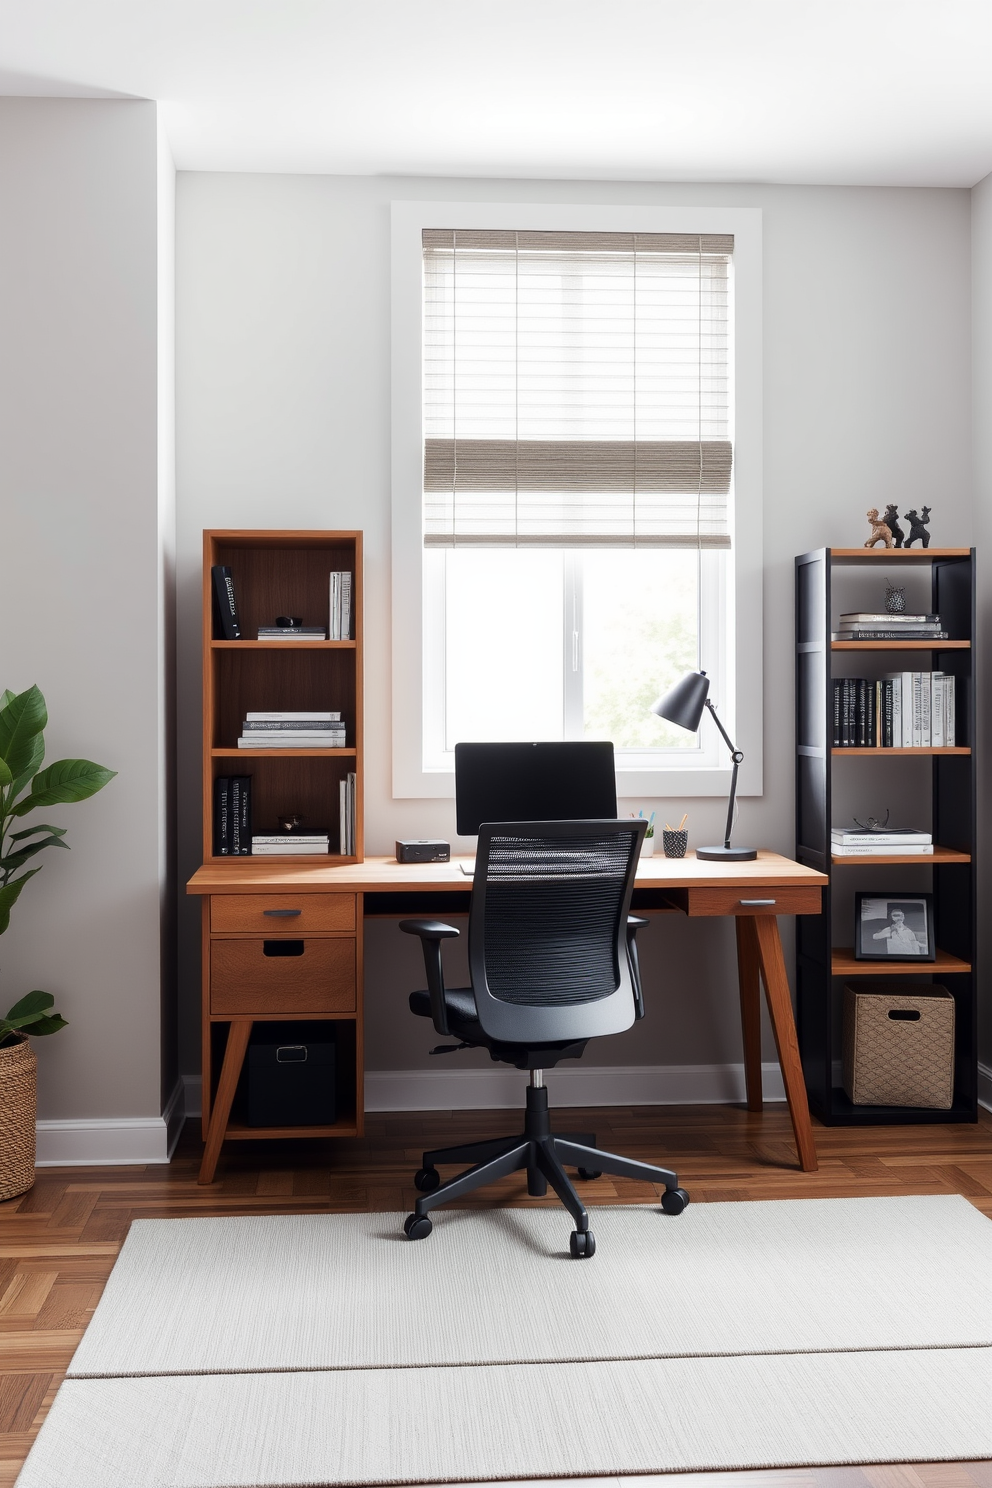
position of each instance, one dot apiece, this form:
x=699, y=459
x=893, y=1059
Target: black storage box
x=292, y=1074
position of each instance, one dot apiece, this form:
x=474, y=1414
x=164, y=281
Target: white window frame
x=709, y=773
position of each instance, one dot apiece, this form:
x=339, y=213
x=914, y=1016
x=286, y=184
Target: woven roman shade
x=576, y=389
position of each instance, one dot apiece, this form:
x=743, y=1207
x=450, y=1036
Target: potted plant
x=26, y=787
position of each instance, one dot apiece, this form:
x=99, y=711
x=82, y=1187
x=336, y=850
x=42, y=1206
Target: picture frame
x=894, y=927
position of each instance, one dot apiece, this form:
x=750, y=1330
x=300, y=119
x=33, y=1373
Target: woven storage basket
x=899, y=1045
x=18, y=1106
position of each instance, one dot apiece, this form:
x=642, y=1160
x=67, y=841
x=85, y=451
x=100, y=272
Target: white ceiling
x=893, y=92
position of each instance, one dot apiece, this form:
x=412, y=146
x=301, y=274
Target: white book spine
x=937, y=709
x=346, y=606
x=950, y=714
x=883, y=849
x=896, y=712
x=926, y=727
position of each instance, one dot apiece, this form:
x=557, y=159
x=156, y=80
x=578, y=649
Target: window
x=575, y=502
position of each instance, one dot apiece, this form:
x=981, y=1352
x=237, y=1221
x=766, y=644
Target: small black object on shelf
x=684, y=706
x=227, y=626
x=918, y=524
x=891, y=520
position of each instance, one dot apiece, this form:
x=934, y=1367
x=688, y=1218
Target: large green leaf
x=22, y=720
x=14, y=860
x=41, y=1026
x=39, y=827
x=30, y=1005
x=8, y=697
x=9, y=895
x=5, y=775
x=66, y=780
x=33, y=762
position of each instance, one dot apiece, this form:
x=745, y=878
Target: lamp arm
x=737, y=756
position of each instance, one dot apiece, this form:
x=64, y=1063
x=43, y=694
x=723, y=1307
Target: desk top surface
x=263, y=875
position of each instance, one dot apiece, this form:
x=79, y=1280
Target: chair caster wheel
x=582, y=1244
x=417, y=1227
x=587, y=1174
x=674, y=1200
x=426, y=1179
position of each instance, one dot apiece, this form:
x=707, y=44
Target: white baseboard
x=115, y=1141
x=502, y=1089
x=985, y=1086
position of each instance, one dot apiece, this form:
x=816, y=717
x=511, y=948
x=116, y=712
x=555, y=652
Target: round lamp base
x=726, y=854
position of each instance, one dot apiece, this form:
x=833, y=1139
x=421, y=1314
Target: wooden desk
x=254, y=901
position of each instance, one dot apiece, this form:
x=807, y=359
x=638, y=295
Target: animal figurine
x=918, y=524
x=879, y=530
x=891, y=520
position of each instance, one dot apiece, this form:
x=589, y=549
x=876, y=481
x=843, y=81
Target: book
x=293, y=741
x=289, y=847
x=292, y=633
x=347, y=798
x=891, y=835
x=340, y=606
x=950, y=712
x=862, y=617
x=222, y=816
x=240, y=815
x=891, y=849
x=310, y=716
x=911, y=633
x=226, y=624
x=262, y=840
x=288, y=726
x=937, y=709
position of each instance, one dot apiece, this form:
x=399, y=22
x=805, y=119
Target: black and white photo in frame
x=895, y=927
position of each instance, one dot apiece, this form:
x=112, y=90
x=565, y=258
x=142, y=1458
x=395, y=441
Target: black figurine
x=891, y=520
x=918, y=524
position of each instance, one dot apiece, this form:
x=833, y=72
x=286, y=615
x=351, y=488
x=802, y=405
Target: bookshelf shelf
x=249, y=979
x=934, y=788
x=939, y=855
x=894, y=645
x=900, y=753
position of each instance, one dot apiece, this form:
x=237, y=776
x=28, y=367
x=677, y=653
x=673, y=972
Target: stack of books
x=340, y=629
x=232, y=816
x=858, y=625
x=347, y=792
x=905, y=842
x=903, y=710
x=292, y=633
x=307, y=730
x=291, y=844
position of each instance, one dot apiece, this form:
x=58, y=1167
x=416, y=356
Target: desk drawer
x=282, y=914
x=318, y=976
x=797, y=899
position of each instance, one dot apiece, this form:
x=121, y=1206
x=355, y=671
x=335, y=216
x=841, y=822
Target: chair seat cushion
x=464, y=1024
x=460, y=1002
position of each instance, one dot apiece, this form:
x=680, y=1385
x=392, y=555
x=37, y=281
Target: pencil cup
x=647, y=847
x=675, y=843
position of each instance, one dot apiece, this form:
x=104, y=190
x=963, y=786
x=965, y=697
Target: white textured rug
x=251, y=1353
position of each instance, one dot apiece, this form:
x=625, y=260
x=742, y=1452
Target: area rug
x=327, y=1349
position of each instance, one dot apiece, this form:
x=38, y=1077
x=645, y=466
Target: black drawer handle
x=282, y=914
x=905, y=1015
x=292, y=1054
x=282, y=947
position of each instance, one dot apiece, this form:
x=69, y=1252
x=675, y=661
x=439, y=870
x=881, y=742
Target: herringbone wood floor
x=58, y=1242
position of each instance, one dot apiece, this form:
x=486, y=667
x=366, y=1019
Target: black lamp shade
x=684, y=704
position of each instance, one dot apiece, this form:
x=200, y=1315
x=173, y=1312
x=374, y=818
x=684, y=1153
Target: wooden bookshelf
x=281, y=956
x=948, y=782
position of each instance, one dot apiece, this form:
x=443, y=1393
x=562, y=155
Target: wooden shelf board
x=931, y=645
x=238, y=1132
x=283, y=645
x=897, y=555
x=842, y=963
x=280, y=753
x=897, y=753
x=939, y=855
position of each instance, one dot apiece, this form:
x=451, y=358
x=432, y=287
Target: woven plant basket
x=18, y=1106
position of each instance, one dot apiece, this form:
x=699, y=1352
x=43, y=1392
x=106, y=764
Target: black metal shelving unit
x=823, y=966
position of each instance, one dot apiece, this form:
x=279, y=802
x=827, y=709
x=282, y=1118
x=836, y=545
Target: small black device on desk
x=423, y=850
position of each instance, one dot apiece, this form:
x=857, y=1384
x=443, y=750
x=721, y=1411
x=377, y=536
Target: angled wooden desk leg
x=748, y=973
x=230, y=1070
x=773, y=974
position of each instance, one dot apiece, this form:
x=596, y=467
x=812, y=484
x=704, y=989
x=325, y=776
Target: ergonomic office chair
x=553, y=963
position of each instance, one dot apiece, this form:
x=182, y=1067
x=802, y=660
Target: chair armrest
x=635, y=923
x=431, y=933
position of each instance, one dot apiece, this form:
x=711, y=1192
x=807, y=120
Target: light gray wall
x=283, y=421
x=81, y=608
x=981, y=259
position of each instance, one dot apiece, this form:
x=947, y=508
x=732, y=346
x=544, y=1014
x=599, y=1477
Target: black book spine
x=244, y=817
x=236, y=815
x=871, y=688
x=845, y=705
x=838, y=686
x=887, y=715
x=225, y=605
x=222, y=816
x=861, y=721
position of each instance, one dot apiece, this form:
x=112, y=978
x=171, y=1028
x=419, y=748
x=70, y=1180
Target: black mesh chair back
x=547, y=928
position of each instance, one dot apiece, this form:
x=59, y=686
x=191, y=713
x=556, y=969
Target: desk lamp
x=684, y=705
